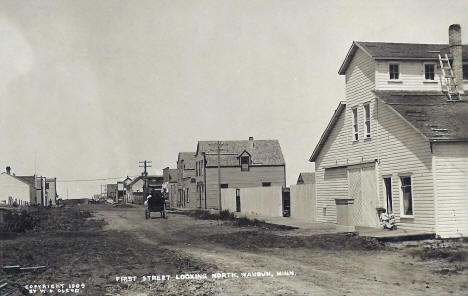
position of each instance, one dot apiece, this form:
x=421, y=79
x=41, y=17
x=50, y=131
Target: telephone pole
x=145, y=164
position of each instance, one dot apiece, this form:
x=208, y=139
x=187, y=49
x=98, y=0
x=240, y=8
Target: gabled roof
x=31, y=180
x=188, y=158
x=262, y=152
x=328, y=129
x=150, y=178
x=436, y=118
x=306, y=178
x=397, y=51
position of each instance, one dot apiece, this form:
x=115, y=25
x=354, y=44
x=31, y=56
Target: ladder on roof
x=448, y=81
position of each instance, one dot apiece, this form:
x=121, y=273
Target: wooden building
x=243, y=164
x=399, y=142
x=187, y=187
x=170, y=183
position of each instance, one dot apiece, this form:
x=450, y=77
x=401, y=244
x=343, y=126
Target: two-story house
x=242, y=164
x=399, y=141
x=186, y=180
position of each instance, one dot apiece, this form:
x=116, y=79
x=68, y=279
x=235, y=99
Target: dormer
x=245, y=160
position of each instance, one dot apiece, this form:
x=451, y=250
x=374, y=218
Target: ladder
x=448, y=81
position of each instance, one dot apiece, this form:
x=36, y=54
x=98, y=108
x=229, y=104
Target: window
x=367, y=113
x=406, y=197
x=355, y=124
x=224, y=185
x=266, y=184
x=192, y=180
x=187, y=195
x=394, y=71
x=465, y=72
x=245, y=161
x=196, y=168
x=388, y=194
x=429, y=71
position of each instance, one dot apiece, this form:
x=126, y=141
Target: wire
x=91, y=180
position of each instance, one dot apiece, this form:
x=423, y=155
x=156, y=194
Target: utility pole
x=145, y=164
x=219, y=145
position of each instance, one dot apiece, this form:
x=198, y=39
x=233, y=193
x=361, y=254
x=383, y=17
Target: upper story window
x=465, y=72
x=245, y=162
x=355, y=124
x=394, y=71
x=429, y=71
x=367, y=114
x=196, y=168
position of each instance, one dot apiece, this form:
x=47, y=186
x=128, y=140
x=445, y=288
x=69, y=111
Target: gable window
x=367, y=114
x=355, y=124
x=245, y=162
x=394, y=71
x=406, y=197
x=465, y=72
x=429, y=71
x=266, y=184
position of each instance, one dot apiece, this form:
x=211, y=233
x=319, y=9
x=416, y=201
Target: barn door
x=363, y=189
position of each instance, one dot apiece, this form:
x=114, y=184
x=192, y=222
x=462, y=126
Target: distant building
x=187, y=188
x=51, y=191
x=27, y=190
x=244, y=163
x=112, y=191
x=136, y=188
x=170, y=183
x=306, y=178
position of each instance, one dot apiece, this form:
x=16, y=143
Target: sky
x=90, y=88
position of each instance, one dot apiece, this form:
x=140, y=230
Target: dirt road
x=321, y=266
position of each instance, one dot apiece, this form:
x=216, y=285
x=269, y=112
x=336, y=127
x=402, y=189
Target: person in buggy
x=155, y=202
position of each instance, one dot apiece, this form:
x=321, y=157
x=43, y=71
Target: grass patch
x=259, y=239
x=228, y=216
x=39, y=219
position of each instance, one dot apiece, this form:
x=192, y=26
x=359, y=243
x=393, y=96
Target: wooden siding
x=404, y=151
x=340, y=147
x=10, y=186
x=400, y=148
x=331, y=183
x=303, y=202
x=235, y=178
x=451, y=181
x=411, y=76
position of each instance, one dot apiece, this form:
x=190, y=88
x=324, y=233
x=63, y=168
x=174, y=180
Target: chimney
x=8, y=170
x=251, y=142
x=455, y=47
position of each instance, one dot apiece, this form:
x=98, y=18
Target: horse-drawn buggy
x=156, y=202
